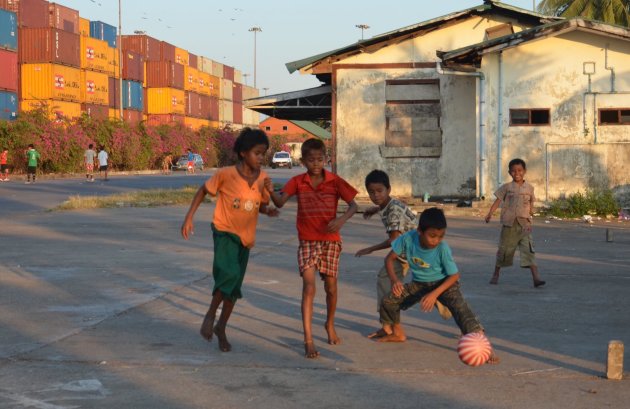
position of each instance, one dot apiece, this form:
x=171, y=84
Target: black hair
x=432, y=218
x=30, y=145
x=517, y=161
x=313, y=144
x=248, y=138
x=90, y=146
x=377, y=176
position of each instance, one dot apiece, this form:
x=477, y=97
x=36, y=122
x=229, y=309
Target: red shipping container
x=204, y=106
x=8, y=70
x=164, y=74
x=165, y=119
x=31, y=13
x=237, y=92
x=133, y=66
x=193, y=106
x=146, y=46
x=132, y=116
x=214, y=109
x=238, y=113
x=167, y=51
x=64, y=18
x=95, y=111
x=114, y=92
x=49, y=45
x=228, y=72
x=193, y=60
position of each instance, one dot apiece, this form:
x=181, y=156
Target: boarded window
x=267, y=128
x=499, y=31
x=529, y=117
x=412, y=113
x=614, y=116
x=285, y=128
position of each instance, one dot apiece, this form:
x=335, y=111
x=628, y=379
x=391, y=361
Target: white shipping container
x=238, y=76
x=227, y=90
x=204, y=64
x=226, y=111
x=217, y=69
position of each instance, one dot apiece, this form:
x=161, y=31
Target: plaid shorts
x=89, y=167
x=323, y=255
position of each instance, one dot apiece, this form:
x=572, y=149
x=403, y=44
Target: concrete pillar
x=614, y=369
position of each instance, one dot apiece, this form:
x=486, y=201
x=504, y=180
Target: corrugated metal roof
x=314, y=129
x=486, y=7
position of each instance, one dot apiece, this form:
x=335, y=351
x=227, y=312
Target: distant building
x=294, y=131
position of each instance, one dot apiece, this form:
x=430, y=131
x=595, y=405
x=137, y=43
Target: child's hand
x=362, y=252
x=334, y=225
x=269, y=185
x=488, y=217
x=187, y=229
x=272, y=212
x=428, y=302
x=370, y=211
x=397, y=288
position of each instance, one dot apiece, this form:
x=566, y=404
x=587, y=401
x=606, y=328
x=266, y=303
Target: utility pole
x=255, y=30
x=362, y=27
x=120, y=58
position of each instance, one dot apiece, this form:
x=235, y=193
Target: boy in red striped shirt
x=318, y=192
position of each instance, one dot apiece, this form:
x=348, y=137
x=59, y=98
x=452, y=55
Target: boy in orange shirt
x=318, y=192
x=241, y=196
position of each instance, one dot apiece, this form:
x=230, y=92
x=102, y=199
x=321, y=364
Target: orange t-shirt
x=237, y=203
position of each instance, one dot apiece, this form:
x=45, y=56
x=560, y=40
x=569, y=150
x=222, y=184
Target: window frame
x=529, y=111
x=285, y=128
x=618, y=110
x=267, y=128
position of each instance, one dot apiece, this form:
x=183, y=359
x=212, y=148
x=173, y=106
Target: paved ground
x=101, y=309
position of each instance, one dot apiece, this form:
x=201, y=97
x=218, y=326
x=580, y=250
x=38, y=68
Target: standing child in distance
x=318, y=192
x=4, y=167
x=32, y=156
x=88, y=159
x=397, y=218
x=435, y=277
x=190, y=166
x=516, y=218
x=167, y=164
x=241, y=196
x=102, y=161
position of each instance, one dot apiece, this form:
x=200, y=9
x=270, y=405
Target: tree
x=608, y=11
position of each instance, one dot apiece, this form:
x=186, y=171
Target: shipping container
x=204, y=83
x=193, y=60
x=226, y=111
x=165, y=119
x=251, y=117
x=8, y=30
x=114, y=92
x=50, y=81
x=195, y=123
x=238, y=76
x=84, y=27
x=214, y=109
x=217, y=69
x=94, y=55
x=31, y=13
x=105, y=32
x=55, y=108
x=167, y=51
x=237, y=93
x=228, y=73
x=94, y=87
x=133, y=66
x=197, y=106
x=129, y=115
x=63, y=18
x=8, y=105
x=227, y=90
x=214, y=124
x=250, y=92
x=146, y=46
x=181, y=56
x=204, y=64
x=113, y=66
x=237, y=116
x=133, y=95
x=191, y=79
x=165, y=101
x=8, y=70
x=164, y=74
x=215, y=86
x=39, y=45
x=95, y=111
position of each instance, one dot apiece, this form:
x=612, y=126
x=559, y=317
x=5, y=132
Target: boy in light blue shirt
x=435, y=277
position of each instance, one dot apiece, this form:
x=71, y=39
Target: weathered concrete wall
x=549, y=74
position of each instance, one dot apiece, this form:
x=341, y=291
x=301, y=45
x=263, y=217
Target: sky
x=291, y=29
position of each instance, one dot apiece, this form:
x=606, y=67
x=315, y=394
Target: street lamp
x=245, y=75
x=255, y=30
x=265, y=89
x=362, y=27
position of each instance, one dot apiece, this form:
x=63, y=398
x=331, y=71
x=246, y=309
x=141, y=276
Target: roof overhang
x=308, y=104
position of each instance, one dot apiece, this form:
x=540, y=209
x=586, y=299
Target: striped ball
x=474, y=349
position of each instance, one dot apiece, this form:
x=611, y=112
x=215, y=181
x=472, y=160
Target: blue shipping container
x=133, y=95
x=103, y=31
x=8, y=30
x=8, y=105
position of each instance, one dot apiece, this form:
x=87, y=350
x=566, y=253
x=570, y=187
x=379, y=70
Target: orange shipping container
x=56, y=109
x=51, y=81
x=94, y=88
x=191, y=79
x=195, y=123
x=113, y=68
x=84, y=27
x=165, y=101
x=94, y=54
x=204, y=83
x=181, y=56
x=215, y=86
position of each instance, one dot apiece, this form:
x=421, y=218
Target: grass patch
x=591, y=202
x=141, y=198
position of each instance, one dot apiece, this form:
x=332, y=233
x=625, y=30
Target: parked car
x=182, y=162
x=280, y=159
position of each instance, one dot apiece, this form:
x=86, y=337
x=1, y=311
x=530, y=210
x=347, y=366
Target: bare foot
x=224, y=345
x=493, y=360
x=392, y=338
x=206, y=327
x=539, y=283
x=380, y=333
x=333, y=339
x=494, y=280
x=309, y=350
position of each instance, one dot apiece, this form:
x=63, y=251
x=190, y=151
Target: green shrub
x=591, y=202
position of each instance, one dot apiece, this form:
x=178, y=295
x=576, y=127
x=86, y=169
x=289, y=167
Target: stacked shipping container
x=8, y=65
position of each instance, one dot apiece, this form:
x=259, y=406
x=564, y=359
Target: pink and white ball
x=474, y=349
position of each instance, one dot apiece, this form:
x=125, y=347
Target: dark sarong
x=229, y=265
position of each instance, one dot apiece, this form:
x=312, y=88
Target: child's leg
x=508, y=242
x=219, y=329
x=208, y=320
x=495, y=275
x=464, y=317
x=528, y=258
x=330, y=286
x=308, y=295
x=390, y=310
x=383, y=288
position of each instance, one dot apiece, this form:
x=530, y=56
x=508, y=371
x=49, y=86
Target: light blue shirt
x=426, y=265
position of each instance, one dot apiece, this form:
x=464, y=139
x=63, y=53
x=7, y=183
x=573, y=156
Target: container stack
x=8, y=65
x=97, y=65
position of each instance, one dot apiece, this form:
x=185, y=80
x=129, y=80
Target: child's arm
x=494, y=207
x=279, y=199
x=336, y=224
x=393, y=235
x=268, y=210
x=397, y=285
x=370, y=211
x=187, y=227
x=428, y=301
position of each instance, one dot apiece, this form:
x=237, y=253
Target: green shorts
x=512, y=237
x=229, y=265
